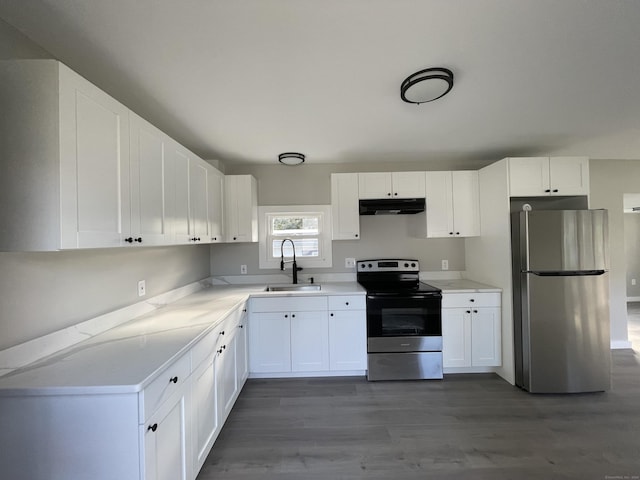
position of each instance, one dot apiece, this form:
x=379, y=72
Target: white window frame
x=266, y=261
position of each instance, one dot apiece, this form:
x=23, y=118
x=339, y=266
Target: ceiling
x=244, y=80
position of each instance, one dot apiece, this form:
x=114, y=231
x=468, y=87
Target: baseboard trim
x=620, y=344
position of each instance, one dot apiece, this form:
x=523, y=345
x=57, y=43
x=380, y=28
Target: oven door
x=404, y=316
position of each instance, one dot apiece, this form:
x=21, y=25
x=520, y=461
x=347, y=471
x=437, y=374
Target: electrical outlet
x=445, y=264
x=349, y=263
x=243, y=269
x=142, y=288
x=633, y=281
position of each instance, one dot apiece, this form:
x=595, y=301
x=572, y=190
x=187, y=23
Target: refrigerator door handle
x=566, y=273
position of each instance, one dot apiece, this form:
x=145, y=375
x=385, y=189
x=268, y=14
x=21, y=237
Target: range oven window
x=398, y=317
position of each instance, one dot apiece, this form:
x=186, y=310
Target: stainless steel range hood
x=392, y=206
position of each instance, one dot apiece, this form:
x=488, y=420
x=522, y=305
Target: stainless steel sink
x=289, y=287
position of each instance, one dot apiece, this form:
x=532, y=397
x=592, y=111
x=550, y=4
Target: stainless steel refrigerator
x=561, y=300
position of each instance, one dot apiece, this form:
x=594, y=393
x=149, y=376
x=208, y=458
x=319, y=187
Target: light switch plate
x=349, y=263
x=142, y=288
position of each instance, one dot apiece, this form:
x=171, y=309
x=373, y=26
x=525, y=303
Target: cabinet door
x=456, y=337
x=529, y=176
x=204, y=408
x=215, y=204
x=569, y=175
x=374, y=185
x=180, y=159
x=269, y=342
x=150, y=187
x=241, y=208
x=166, y=443
x=94, y=165
x=348, y=340
x=226, y=386
x=198, y=218
x=439, y=206
x=486, y=343
x=466, y=203
x=408, y=184
x=309, y=342
x=242, y=352
x=345, y=214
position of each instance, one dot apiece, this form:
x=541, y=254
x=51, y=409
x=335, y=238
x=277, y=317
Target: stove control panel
x=388, y=265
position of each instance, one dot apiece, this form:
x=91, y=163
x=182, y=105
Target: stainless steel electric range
x=404, y=325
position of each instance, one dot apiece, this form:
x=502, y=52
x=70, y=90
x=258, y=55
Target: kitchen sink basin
x=288, y=287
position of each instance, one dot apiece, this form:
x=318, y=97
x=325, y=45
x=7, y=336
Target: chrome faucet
x=294, y=267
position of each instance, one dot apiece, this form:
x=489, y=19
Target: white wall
x=610, y=180
x=632, y=252
x=44, y=292
x=391, y=236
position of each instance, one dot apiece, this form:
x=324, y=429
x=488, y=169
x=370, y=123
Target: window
x=306, y=226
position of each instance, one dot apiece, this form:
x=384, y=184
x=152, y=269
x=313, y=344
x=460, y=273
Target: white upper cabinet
x=345, y=214
x=190, y=217
x=453, y=204
x=544, y=176
x=65, y=153
x=151, y=187
x=376, y=185
x=241, y=208
x=198, y=201
x=215, y=204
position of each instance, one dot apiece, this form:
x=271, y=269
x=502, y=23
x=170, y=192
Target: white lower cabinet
x=309, y=341
x=347, y=333
x=294, y=335
x=167, y=446
x=471, y=330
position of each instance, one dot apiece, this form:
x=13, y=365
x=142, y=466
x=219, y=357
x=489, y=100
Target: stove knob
x=370, y=266
x=413, y=265
x=406, y=265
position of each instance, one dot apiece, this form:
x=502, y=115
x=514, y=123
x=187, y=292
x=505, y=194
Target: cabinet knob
x=139, y=239
x=196, y=239
x=286, y=316
x=388, y=194
x=468, y=311
x=244, y=309
x=547, y=190
x=356, y=235
x=472, y=299
x=241, y=326
x=475, y=311
x=293, y=315
x=450, y=233
x=555, y=190
x=331, y=314
x=395, y=194
x=173, y=380
x=235, y=238
x=222, y=332
x=457, y=233
x=129, y=239
x=346, y=303
x=153, y=427
x=214, y=238
x=219, y=351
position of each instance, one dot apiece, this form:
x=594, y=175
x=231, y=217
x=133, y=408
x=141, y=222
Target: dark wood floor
x=464, y=427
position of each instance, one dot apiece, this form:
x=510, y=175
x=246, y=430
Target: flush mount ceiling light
x=291, y=158
x=426, y=85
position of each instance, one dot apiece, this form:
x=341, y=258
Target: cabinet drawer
x=347, y=302
x=164, y=386
x=206, y=347
x=453, y=300
x=289, y=304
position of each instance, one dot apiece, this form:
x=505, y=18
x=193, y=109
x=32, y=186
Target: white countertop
x=462, y=285
x=126, y=358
